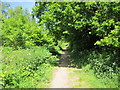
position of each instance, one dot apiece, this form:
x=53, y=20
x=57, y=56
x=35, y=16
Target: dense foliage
x=26, y=58
x=20, y=30
x=103, y=63
x=26, y=68
x=81, y=21
x=92, y=30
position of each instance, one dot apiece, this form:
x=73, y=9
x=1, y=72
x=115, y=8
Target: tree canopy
x=82, y=23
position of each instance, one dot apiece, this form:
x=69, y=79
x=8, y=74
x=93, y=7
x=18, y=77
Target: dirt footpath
x=61, y=78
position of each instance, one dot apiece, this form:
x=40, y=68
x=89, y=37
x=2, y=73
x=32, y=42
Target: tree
x=3, y=7
x=20, y=30
x=83, y=24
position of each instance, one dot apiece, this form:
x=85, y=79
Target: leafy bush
x=27, y=68
x=104, y=63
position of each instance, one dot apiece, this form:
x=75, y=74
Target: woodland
x=30, y=48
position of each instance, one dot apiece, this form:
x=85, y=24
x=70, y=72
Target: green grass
x=100, y=68
x=88, y=80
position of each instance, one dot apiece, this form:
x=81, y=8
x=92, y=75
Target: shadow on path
x=61, y=77
x=64, y=60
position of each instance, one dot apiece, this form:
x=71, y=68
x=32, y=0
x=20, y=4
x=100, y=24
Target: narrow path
x=61, y=77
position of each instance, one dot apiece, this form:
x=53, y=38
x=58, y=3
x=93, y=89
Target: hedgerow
x=27, y=68
x=103, y=63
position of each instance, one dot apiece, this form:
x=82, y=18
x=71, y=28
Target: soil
x=61, y=78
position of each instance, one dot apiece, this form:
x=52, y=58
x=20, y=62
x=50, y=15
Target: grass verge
x=87, y=80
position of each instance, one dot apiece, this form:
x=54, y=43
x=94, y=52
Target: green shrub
x=104, y=63
x=27, y=68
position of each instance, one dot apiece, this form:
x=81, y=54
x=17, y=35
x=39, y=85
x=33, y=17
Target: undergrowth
x=27, y=68
x=100, y=65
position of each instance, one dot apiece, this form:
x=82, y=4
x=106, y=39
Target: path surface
x=61, y=77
